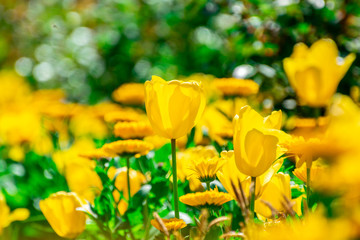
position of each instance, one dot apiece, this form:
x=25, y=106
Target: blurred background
x=88, y=47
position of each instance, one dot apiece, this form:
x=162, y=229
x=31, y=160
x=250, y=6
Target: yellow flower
x=315, y=72
x=7, y=217
x=236, y=87
x=173, y=107
x=124, y=115
x=204, y=168
x=172, y=224
x=256, y=141
x=83, y=180
x=230, y=173
x=136, y=179
x=60, y=210
x=317, y=172
x=133, y=147
x=133, y=129
x=184, y=159
x=311, y=149
x=86, y=123
x=12, y=88
x=156, y=140
x=209, y=198
x=218, y=125
x=129, y=93
x=274, y=193
x=97, y=153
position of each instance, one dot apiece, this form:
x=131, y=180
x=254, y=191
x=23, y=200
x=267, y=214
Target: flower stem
x=175, y=185
x=128, y=177
x=208, y=185
x=308, y=175
x=252, y=199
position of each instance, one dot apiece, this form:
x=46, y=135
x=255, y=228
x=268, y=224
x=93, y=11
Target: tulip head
x=60, y=210
x=173, y=107
x=256, y=141
x=315, y=72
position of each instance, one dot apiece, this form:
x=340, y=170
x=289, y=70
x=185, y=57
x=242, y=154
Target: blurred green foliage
x=90, y=47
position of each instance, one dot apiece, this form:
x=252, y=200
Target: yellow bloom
x=230, y=173
x=129, y=93
x=97, y=153
x=184, y=159
x=256, y=141
x=156, y=140
x=204, y=168
x=315, y=72
x=86, y=123
x=136, y=179
x=133, y=129
x=209, y=198
x=133, y=147
x=124, y=115
x=7, y=217
x=83, y=180
x=311, y=149
x=218, y=125
x=172, y=224
x=12, y=88
x=236, y=87
x=60, y=210
x=317, y=172
x=173, y=107
x=274, y=193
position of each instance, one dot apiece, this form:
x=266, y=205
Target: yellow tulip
x=256, y=141
x=173, y=107
x=315, y=72
x=274, y=193
x=229, y=173
x=7, y=217
x=60, y=210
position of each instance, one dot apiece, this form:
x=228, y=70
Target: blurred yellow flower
x=83, y=180
x=136, y=179
x=125, y=115
x=209, y=198
x=87, y=124
x=97, y=153
x=7, y=217
x=173, y=107
x=127, y=130
x=13, y=88
x=156, y=140
x=132, y=146
x=315, y=72
x=317, y=171
x=236, y=87
x=129, y=93
x=172, y=224
x=60, y=210
x=256, y=141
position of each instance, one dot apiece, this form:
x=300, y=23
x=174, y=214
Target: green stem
x=175, y=185
x=308, y=176
x=208, y=185
x=317, y=113
x=252, y=199
x=128, y=177
x=147, y=217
